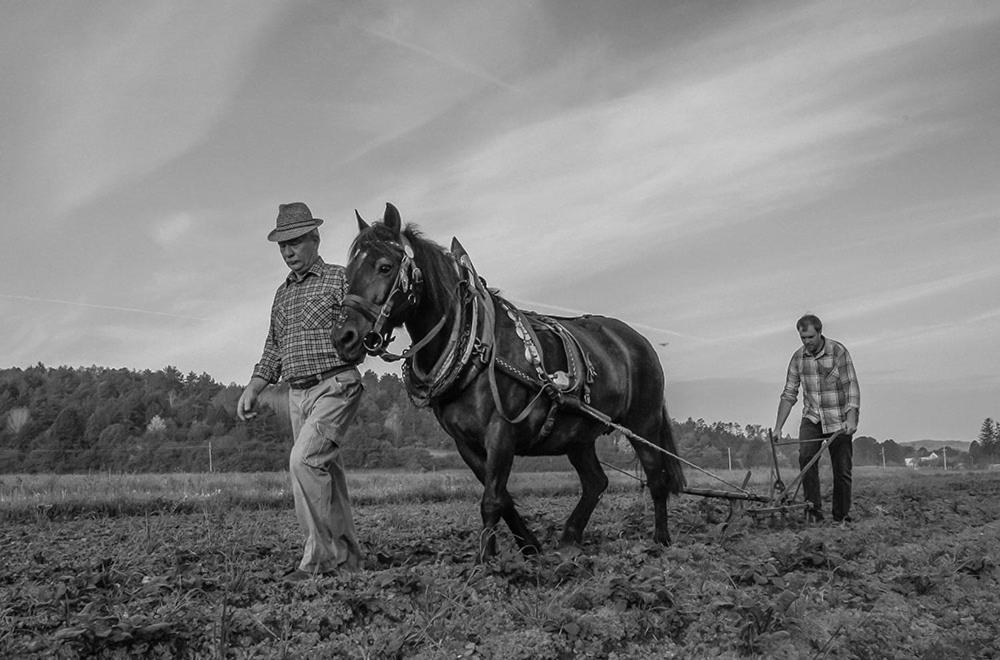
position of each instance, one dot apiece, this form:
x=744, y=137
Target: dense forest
x=67, y=419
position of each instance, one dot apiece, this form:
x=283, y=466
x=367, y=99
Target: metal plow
x=780, y=499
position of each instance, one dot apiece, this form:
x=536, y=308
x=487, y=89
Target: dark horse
x=502, y=382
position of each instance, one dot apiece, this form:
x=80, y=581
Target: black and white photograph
x=529, y=329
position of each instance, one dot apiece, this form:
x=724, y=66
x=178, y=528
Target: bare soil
x=915, y=576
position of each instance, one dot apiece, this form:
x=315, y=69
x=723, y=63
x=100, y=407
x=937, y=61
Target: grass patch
x=58, y=497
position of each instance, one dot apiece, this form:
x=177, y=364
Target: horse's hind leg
x=663, y=474
x=656, y=478
x=593, y=482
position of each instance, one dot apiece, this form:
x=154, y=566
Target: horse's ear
x=457, y=249
x=362, y=225
x=392, y=219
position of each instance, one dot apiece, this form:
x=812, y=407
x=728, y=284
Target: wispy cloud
x=866, y=303
x=147, y=86
x=677, y=156
x=114, y=308
x=446, y=60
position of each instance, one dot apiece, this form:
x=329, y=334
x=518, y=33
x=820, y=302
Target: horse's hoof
x=569, y=552
x=569, y=569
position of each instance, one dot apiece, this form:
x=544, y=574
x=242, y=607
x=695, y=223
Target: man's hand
x=851, y=423
x=246, y=407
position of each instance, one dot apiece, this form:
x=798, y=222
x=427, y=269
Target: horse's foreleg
x=495, y=499
x=497, y=502
x=593, y=482
x=475, y=457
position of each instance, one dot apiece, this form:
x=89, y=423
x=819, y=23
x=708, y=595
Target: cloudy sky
x=708, y=171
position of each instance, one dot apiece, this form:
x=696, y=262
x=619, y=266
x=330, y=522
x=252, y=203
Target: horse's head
x=385, y=285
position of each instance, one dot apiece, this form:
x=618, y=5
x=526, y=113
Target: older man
x=324, y=391
x=831, y=401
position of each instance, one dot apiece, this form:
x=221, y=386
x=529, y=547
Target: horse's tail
x=671, y=465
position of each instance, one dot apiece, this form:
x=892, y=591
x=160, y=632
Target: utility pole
x=210, y=456
x=944, y=452
x=729, y=450
x=883, y=457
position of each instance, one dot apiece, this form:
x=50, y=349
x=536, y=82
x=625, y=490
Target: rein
x=463, y=342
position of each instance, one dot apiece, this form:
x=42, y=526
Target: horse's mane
x=438, y=268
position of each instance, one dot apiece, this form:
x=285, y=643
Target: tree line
x=67, y=419
x=95, y=418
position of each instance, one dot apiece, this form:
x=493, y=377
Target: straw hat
x=294, y=219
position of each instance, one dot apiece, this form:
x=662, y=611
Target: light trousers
x=320, y=416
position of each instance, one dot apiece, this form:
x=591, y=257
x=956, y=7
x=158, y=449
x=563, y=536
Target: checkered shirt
x=829, y=385
x=299, y=342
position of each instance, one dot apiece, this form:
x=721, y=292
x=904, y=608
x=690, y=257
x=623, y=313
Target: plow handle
x=779, y=485
x=823, y=445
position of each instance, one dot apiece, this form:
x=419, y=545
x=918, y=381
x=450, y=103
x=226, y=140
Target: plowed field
x=915, y=576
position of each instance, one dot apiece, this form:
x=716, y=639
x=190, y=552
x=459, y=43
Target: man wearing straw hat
x=323, y=396
x=831, y=400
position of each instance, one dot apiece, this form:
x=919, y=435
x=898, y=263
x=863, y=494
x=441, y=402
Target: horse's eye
x=385, y=269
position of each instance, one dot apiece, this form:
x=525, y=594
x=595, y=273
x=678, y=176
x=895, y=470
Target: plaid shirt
x=299, y=342
x=829, y=385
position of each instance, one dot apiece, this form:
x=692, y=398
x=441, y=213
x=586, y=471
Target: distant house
x=923, y=461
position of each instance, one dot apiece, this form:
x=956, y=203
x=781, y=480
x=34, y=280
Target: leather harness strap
x=471, y=337
x=546, y=383
x=471, y=345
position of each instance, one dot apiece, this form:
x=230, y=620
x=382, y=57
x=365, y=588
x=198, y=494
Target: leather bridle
x=404, y=294
x=469, y=340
